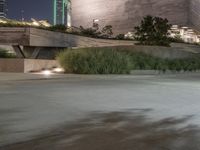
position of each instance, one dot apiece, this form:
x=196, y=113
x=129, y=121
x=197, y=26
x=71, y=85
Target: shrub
x=95, y=32
x=91, y=32
x=107, y=31
x=120, y=37
x=58, y=28
x=153, y=31
x=142, y=61
x=120, y=61
x=94, y=61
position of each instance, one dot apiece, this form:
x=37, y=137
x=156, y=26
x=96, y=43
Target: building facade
x=124, y=15
x=62, y=12
x=194, y=14
x=3, y=9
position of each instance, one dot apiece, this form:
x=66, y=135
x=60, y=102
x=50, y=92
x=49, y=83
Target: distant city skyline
x=27, y=9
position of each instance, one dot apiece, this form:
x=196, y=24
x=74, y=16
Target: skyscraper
x=62, y=12
x=124, y=15
x=2, y=8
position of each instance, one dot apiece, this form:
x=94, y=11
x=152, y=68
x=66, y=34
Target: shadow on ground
x=130, y=130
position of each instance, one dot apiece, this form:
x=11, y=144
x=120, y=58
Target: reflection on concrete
x=6, y=121
x=130, y=130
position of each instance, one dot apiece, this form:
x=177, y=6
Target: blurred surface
x=33, y=106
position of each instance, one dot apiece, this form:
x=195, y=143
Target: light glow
x=96, y=20
x=47, y=72
x=35, y=23
x=58, y=70
x=3, y=21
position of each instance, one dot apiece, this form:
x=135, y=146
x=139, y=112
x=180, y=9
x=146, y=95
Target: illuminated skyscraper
x=62, y=12
x=2, y=8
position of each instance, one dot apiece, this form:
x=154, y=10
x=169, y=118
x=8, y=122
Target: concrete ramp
x=35, y=40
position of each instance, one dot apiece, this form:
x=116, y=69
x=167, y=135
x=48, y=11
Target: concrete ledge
x=26, y=65
x=159, y=72
x=32, y=37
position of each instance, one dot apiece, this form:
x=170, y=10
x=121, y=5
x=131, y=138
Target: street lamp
x=95, y=20
x=22, y=15
x=95, y=23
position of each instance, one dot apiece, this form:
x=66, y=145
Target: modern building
x=194, y=13
x=62, y=12
x=3, y=9
x=123, y=15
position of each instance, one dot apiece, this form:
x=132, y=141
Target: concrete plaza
x=32, y=105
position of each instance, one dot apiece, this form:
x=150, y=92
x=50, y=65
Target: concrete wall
x=14, y=36
x=49, y=39
x=194, y=15
x=177, y=51
x=123, y=15
x=7, y=48
x=11, y=65
x=32, y=38
x=37, y=65
x=26, y=65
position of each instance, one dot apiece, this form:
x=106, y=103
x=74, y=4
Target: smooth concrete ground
x=33, y=105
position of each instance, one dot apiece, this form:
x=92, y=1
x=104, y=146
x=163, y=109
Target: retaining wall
x=173, y=52
x=26, y=65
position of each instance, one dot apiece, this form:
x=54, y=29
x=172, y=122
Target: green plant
x=107, y=31
x=5, y=54
x=120, y=60
x=91, y=32
x=142, y=61
x=120, y=37
x=58, y=28
x=12, y=24
x=95, y=32
x=94, y=61
x=153, y=31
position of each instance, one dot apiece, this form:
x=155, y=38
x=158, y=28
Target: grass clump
x=118, y=61
x=141, y=61
x=94, y=61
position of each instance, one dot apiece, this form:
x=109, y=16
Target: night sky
x=38, y=9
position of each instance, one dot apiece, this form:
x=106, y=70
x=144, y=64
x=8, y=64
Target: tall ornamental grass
x=94, y=61
x=117, y=61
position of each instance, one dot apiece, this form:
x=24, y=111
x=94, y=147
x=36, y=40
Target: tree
x=107, y=31
x=120, y=37
x=91, y=32
x=95, y=31
x=153, y=31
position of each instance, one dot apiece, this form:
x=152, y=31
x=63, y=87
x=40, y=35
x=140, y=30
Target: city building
x=3, y=9
x=124, y=15
x=62, y=12
x=186, y=34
